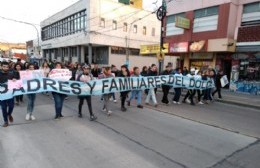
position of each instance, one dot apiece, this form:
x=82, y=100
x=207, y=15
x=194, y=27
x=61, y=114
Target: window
x=135, y=29
x=144, y=30
x=251, y=14
x=170, y=25
x=69, y=25
x=125, y=27
x=252, y=7
x=206, y=19
x=206, y=12
x=153, y=31
x=102, y=22
x=114, y=26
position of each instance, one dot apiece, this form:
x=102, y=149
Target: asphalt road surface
x=168, y=137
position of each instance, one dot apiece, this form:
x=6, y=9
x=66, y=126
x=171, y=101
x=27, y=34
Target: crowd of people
x=85, y=73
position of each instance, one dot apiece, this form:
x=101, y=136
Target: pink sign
x=31, y=74
x=14, y=84
x=178, y=47
x=60, y=74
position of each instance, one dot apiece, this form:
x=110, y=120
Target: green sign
x=127, y=2
x=182, y=22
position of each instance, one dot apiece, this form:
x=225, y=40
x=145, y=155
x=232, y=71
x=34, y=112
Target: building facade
x=102, y=32
x=214, y=33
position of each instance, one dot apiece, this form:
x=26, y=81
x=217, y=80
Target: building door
x=227, y=66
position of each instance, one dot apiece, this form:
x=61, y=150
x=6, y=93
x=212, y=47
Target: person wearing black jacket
x=166, y=88
x=218, y=84
x=151, y=93
x=7, y=105
x=124, y=73
x=95, y=71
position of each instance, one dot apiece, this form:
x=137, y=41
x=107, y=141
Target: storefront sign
x=179, y=47
x=153, y=49
x=198, y=46
x=182, y=22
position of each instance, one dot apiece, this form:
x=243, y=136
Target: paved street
x=137, y=138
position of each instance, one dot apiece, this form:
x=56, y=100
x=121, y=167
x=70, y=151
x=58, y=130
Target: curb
x=239, y=104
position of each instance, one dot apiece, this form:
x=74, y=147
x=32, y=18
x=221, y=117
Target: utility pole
x=161, y=14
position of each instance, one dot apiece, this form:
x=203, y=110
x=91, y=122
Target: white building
x=100, y=31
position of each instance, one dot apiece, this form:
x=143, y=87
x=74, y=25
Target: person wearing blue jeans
x=58, y=101
x=7, y=110
x=136, y=93
x=7, y=105
x=31, y=99
x=58, y=98
x=30, y=106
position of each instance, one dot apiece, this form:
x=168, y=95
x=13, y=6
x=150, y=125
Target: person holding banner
x=46, y=70
x=106, y=74
x=151, y=92
x=218, y=84
x=166, y=88
x=124, y=73
x=31, y=99
x=136, y=93
x=85, y=77
x=18, y=68
x=7, y=105
x=191, y=92
x=177, y=90
x=58, y=98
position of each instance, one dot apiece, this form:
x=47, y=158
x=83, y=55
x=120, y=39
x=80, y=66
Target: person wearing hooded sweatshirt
x=85, y=77
x=125, y=73
x=191, y=92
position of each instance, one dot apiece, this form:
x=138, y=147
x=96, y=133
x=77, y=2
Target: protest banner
x=60, y=74
x=14, y=84
x=103, y=86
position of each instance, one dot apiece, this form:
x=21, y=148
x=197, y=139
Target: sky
x=33, y=11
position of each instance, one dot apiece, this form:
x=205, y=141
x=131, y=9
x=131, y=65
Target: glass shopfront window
x=249, y=70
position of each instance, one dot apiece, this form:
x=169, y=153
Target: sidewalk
x=240, y=99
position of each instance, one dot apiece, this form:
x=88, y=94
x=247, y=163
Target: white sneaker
x=187, y=101
x=200, y=102
x=104, y=109
x=178, y=103
x=27, y=117
x=33, y=118
x=115, y=101
x=109, y=112
x=174, y=102
x=111, y=99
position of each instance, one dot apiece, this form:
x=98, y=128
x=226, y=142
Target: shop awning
x=252, y=48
